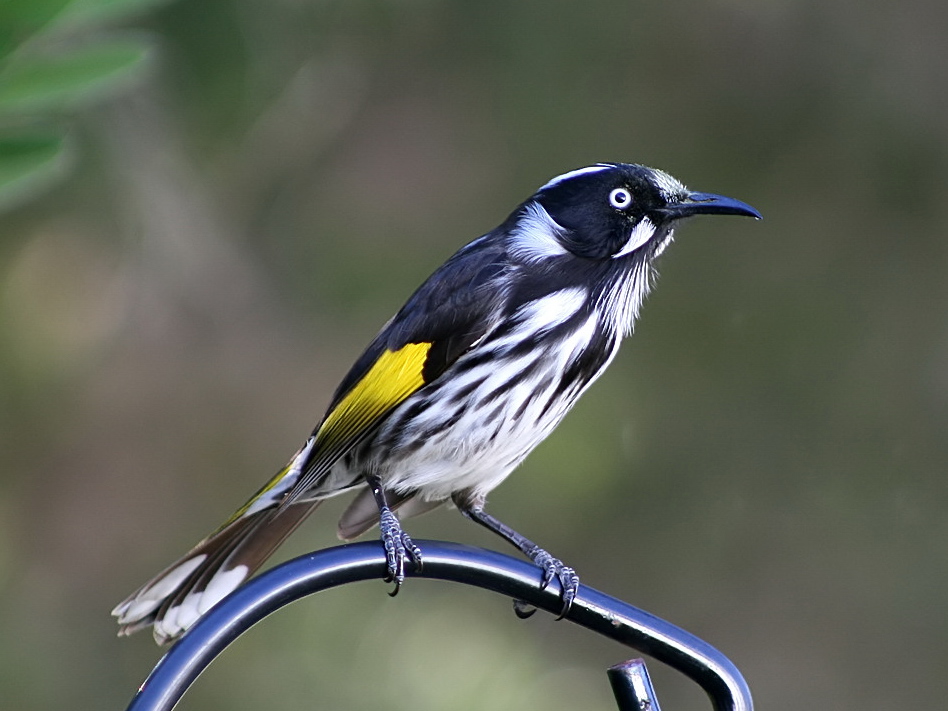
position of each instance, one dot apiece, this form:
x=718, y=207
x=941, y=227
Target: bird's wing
x=448, y=313
x=452, y=310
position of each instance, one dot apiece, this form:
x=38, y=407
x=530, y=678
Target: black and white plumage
x=475, y=370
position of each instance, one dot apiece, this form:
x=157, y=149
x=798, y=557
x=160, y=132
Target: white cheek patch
x=534, y=237
x=641, y=233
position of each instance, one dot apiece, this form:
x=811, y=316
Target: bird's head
x=610, y=210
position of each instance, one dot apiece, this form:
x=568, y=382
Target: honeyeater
x=473, y=372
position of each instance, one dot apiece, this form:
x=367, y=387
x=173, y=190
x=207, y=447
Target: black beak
x=707, y=204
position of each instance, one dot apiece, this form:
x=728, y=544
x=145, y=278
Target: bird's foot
x=554, y=568
x=399, y=548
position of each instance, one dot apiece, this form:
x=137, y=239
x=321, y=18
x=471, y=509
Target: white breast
x=481, y=422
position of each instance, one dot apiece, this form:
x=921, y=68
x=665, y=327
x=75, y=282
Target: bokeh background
x=764, y=464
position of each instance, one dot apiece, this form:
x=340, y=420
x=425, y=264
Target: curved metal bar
x=332, y=567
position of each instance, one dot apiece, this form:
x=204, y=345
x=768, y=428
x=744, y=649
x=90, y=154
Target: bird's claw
x=554, y=568
x=399, y=548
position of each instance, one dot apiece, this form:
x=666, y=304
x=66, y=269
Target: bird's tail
x=175, y=598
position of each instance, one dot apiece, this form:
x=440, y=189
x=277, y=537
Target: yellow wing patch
x=393, y=377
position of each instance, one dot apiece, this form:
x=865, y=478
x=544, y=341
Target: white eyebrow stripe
x=574, y=173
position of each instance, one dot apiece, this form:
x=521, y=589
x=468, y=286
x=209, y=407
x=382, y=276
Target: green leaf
x=86, y=12
x=29, y=164
x=65, y=80
x=21, y=19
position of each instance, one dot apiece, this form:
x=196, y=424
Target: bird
x=475, y=370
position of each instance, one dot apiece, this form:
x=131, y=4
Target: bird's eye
x=620, y=198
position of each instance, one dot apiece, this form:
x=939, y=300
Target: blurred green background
x=198, y=244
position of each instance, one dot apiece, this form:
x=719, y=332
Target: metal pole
x=332, y=567
x=632, y=686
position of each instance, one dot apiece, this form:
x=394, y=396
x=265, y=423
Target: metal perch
x=511, y=577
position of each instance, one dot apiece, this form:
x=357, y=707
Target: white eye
x=620, y=198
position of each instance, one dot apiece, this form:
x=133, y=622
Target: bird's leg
x=552, y=567
x=398, y=544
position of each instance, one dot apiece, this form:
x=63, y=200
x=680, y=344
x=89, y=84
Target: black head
x=613, y=209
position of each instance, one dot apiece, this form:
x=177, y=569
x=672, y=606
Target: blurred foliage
x=54, y=60
x=247, y=190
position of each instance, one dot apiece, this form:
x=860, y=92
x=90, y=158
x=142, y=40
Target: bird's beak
x=707, y=204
